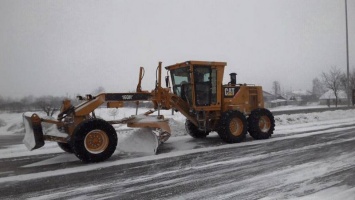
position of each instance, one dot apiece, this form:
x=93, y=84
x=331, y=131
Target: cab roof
x=194, y=62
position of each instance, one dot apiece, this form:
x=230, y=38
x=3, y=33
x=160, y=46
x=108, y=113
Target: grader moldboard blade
x=153, y=130
x=34, y=134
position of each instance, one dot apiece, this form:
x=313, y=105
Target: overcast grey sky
x=69, y=47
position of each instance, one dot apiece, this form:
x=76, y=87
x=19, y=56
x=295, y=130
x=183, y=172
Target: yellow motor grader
x=196, y=91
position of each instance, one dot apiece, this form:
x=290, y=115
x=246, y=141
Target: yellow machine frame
x=226, y=113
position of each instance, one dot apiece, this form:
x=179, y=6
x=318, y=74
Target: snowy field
x=12, y=123
x=296, y=126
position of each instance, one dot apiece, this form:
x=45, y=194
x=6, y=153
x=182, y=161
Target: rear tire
x=261, y=124
x=193, y=131
x=233, y=126
x=94, y=140
x=65, y=147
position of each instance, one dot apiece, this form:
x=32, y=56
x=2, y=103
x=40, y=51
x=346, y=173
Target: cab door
x=205, y=85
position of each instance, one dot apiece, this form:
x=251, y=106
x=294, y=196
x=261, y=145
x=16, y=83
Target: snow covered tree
x=332, y=81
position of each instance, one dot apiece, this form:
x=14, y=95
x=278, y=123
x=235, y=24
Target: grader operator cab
x=198, y=93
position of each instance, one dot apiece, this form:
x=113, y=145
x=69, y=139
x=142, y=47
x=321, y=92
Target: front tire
x=233, y=126
x=261, y=124
x=193, y=131
x=65, y=147
x=94, y=140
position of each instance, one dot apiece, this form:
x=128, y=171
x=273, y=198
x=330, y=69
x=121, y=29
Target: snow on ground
x=12, y=123
x=293, y=107
x=285, y=125
x=343, y=193
x=292, y=126
x=302, y=118
x=294, y=175
x=95, y=166
x=20, y=150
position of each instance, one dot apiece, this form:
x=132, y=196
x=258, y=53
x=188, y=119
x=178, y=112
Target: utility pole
x=347, y=52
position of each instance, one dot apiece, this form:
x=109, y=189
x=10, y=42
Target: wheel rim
x=264, y=124
x=236, y=126
x=96, y=141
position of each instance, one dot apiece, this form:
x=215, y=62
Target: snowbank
x=12, y=123
x=313, y=117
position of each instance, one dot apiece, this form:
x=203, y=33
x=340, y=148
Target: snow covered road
x=310, y=165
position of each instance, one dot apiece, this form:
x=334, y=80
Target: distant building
x=300, y=97
x=329, y=98
x=278, y=102
x=268, y=96
x=272, y=101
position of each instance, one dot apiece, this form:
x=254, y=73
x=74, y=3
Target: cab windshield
x=180, y=79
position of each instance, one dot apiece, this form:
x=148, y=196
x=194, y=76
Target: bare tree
x=49, y=104
x=332, y=81
x=113, y=112
x=28, y=102
x=352, y=84
x=276, y=88
x=348, y=86
x=318, y=88
x=352, y=80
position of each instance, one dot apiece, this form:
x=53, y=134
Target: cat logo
x=127, y=97
x=230, y=91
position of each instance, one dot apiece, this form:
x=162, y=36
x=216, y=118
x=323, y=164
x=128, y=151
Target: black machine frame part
x=193, y=130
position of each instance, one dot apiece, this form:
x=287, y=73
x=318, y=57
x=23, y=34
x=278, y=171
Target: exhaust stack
x=233, y=78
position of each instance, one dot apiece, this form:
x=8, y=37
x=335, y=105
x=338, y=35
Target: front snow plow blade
x=34, y=134
x=139, y=140
x=161, y=125
x=153, y=130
